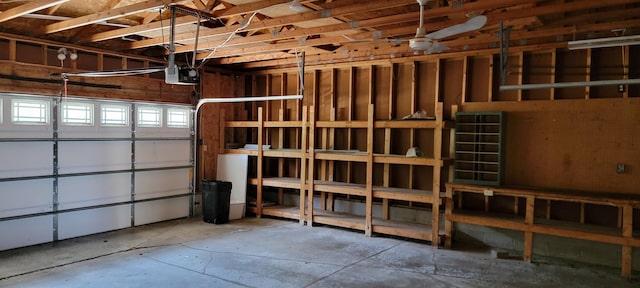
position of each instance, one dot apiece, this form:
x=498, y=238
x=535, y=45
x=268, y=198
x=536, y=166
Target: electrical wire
x=97, y=74
x=215, y=49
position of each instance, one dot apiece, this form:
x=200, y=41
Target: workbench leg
x=528, y=235
x=448, y=224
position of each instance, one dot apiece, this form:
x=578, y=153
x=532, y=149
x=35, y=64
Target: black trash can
x=216, y=198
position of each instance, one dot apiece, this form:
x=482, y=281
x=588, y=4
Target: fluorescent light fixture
x=604, y=42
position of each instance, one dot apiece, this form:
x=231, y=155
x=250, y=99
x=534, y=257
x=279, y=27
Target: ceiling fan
x=428, y=43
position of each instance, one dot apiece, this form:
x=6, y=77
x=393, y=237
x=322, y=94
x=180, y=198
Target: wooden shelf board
x=598, y=198
x=283, y=153
x=340, y=187
x=281, y=182
x=242, y=124
x=407, y=124
x=341, y=124
x=413, y=195
x=596, y=233
x=281, y=211
x=283, y=124
x=241, y=151
x=404, y=229
x=402, y=159
x=339, y=219
x=341, y=155
x=511, y=222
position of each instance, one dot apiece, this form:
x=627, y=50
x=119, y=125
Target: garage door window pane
x=149, y=117
x=177, y=118
x=74, y=113
x=114, y=115
x=29, y=111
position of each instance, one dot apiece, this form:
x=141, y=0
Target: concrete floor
x=274, y=253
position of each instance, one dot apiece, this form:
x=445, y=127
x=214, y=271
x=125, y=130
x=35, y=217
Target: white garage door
x=72, y=166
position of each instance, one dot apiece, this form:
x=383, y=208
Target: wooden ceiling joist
x=371, y=26
x=29, y=7
x=494, y=18
x=140, y=29
x=105, y=15
x=355, y=6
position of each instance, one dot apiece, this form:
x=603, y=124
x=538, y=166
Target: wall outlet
x=620, y=168
x=621, y=88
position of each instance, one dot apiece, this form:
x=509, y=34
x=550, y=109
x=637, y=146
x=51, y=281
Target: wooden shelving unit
x=316, y=181
x=384, y=194
x=279, y=151
x=530, y=224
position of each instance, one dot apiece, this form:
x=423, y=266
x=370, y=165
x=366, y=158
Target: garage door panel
x=86, y=222
x=157, y=154
x=92, y=156
x=25, y=232
x=92, y=190
x=154, y=184
x=25, y=159
x=26, y=197
x=161, y=210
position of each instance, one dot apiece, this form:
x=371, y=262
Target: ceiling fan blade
x=474, y=23
x=437, y=48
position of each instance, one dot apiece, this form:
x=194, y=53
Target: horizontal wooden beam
x=29, y=7
x=355, y=6
x=105, y=15
x=367, y=50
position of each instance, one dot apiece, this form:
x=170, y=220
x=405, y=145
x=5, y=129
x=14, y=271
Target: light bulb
x=73, y=56
x=193, y=73
x=61, y=57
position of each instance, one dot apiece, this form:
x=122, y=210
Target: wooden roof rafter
x=27, y=8
x=106, y=15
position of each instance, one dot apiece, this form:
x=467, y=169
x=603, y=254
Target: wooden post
x=554, y=63
x=465, y=72
x=490, y=84
x=332, y=117
x=587, y=89
x=369, y=193
x=627, y=232
x=280, y=159
x=415, y=87
x=548, y=212
x=448, y=224
x=12, y=50
x=311, y=165
x=435, y=195
x=528, y=235
x=303, y=168
x=520, y=73
x=259, y=168
x=386, y=172
x=387, y=138
x=625, y=69
x=352, y=91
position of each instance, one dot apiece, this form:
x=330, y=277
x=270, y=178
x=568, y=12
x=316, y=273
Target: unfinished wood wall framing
x=27, y=67
x=556, y=138
x=467, y=82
